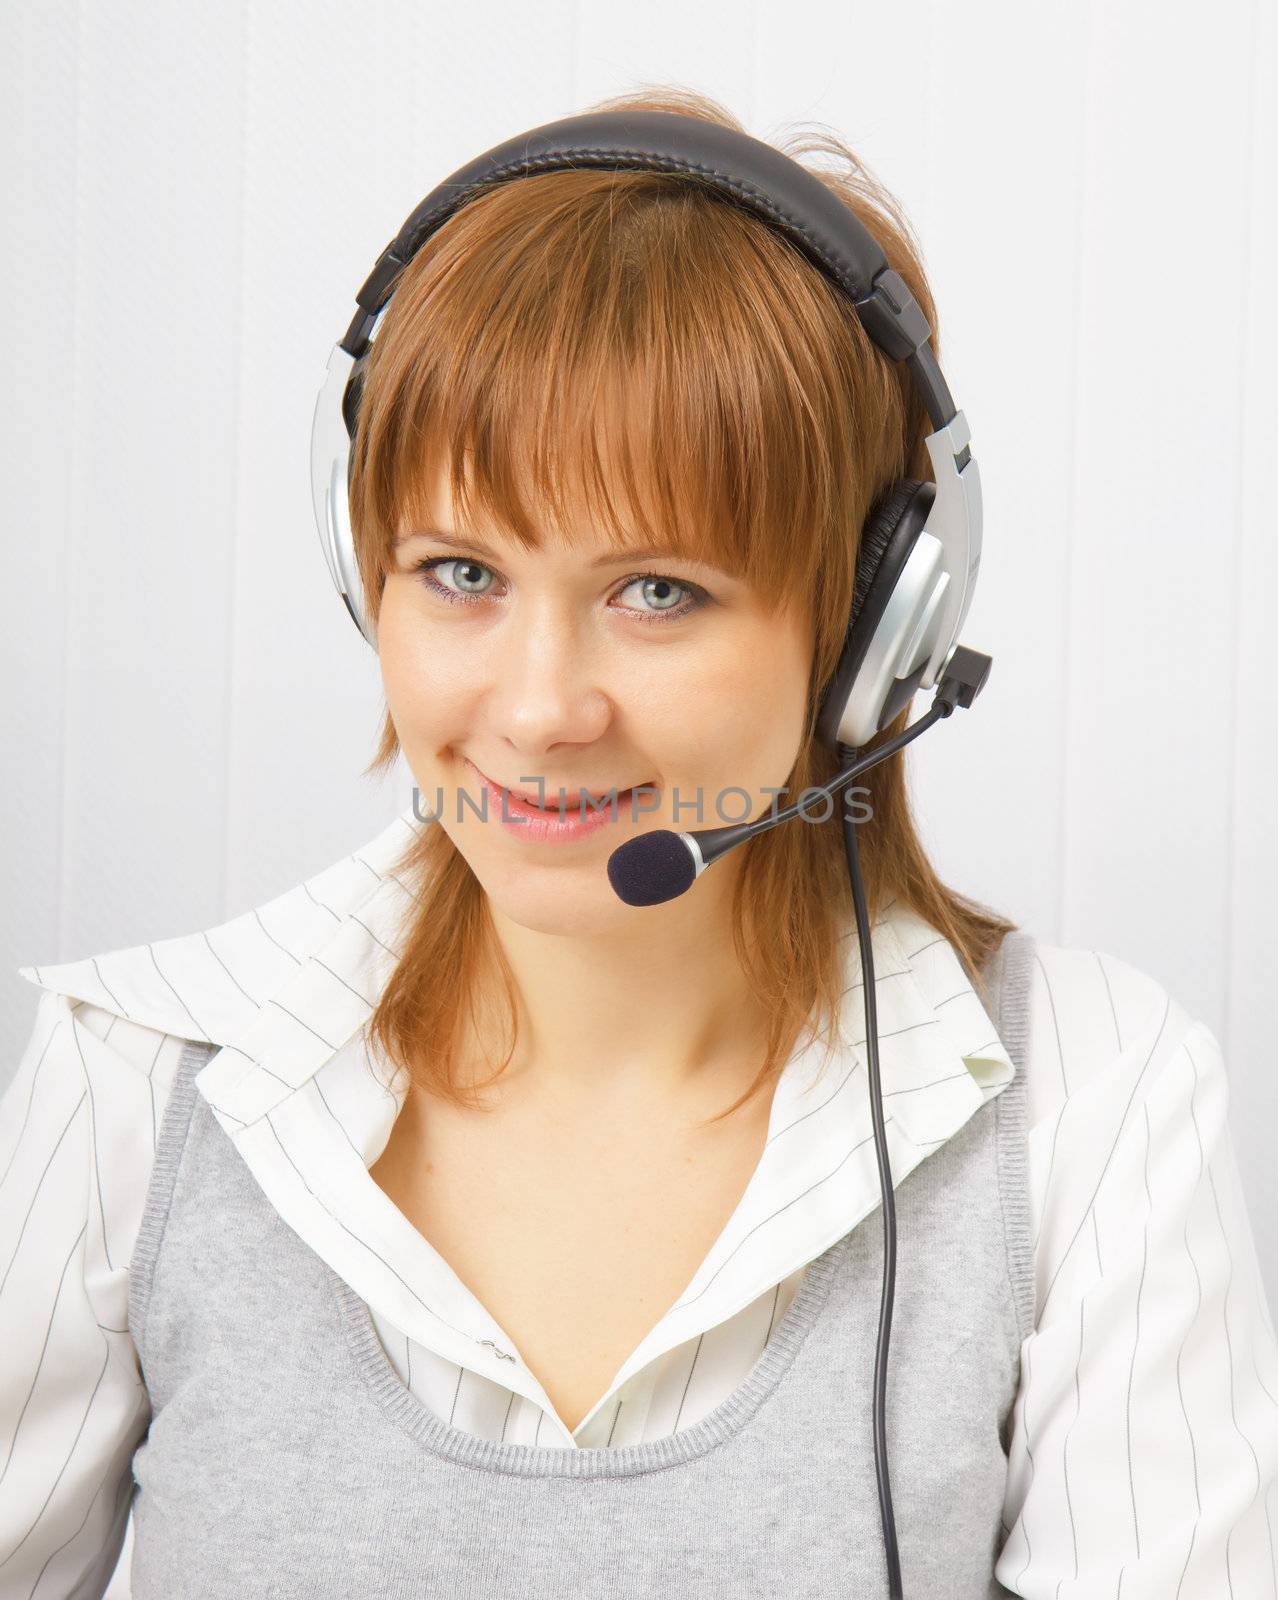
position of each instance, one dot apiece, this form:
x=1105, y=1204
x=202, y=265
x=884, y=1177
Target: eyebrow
x=611, y=558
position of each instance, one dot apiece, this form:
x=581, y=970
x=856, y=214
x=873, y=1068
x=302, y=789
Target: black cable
x=943, y=706
x=889, y=1206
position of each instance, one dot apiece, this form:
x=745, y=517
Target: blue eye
x=658, y=588
x=424, y=568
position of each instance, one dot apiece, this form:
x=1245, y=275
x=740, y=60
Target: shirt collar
x=286, y=989
x=215, y=984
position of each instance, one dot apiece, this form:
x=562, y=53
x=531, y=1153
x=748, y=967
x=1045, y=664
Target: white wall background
x=192, y=194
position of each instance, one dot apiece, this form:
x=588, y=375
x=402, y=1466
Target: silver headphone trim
x=694, y=849
x=955, y=519
x=330, y=498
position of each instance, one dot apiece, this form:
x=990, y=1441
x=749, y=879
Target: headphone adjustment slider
x=891, y=316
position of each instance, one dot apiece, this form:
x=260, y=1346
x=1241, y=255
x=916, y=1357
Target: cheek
x=767, y=712
x=738, y=719
x=421, y=680
x=762, y=685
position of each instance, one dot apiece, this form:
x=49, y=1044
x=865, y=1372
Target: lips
x=572, y=795
x=552, y=793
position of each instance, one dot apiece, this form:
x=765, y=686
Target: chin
x=568, y=922
x=573, y=901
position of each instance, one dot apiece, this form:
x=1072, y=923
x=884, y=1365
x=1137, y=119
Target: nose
x=545, y=683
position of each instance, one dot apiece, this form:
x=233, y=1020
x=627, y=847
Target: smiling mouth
x=573, y=799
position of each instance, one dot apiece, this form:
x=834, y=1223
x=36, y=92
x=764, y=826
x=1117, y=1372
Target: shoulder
x=1126, y=1090
x=1093, y=1014
x=87, y=1097
x=72, y=1043
x=208, y=985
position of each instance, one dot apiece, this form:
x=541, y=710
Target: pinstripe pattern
x=1143, y=1445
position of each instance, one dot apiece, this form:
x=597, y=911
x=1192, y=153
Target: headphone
x=919, y=547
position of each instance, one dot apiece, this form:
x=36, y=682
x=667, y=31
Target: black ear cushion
x=353, y=393
x=876, y=537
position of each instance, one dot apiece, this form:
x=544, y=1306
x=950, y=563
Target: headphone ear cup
x=881, y=522
x=891, y=528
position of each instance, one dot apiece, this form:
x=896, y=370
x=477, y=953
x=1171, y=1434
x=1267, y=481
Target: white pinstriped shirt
x=1143, y=1455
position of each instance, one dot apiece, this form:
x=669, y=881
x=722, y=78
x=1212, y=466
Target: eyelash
x=424, y=569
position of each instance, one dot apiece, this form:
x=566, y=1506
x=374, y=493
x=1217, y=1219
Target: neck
x=642, y=1016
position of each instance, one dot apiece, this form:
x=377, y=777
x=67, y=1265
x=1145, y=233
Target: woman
x=445, y=1225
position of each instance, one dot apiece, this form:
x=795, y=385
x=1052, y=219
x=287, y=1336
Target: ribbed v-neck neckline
x=545, y=1461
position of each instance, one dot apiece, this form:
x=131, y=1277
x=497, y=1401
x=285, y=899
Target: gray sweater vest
x=284, y=1457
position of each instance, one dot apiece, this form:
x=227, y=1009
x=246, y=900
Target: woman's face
x=566, y=667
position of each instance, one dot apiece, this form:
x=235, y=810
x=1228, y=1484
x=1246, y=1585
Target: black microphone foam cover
x=651, y=868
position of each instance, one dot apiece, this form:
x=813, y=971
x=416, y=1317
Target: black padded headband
x=739, y=168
